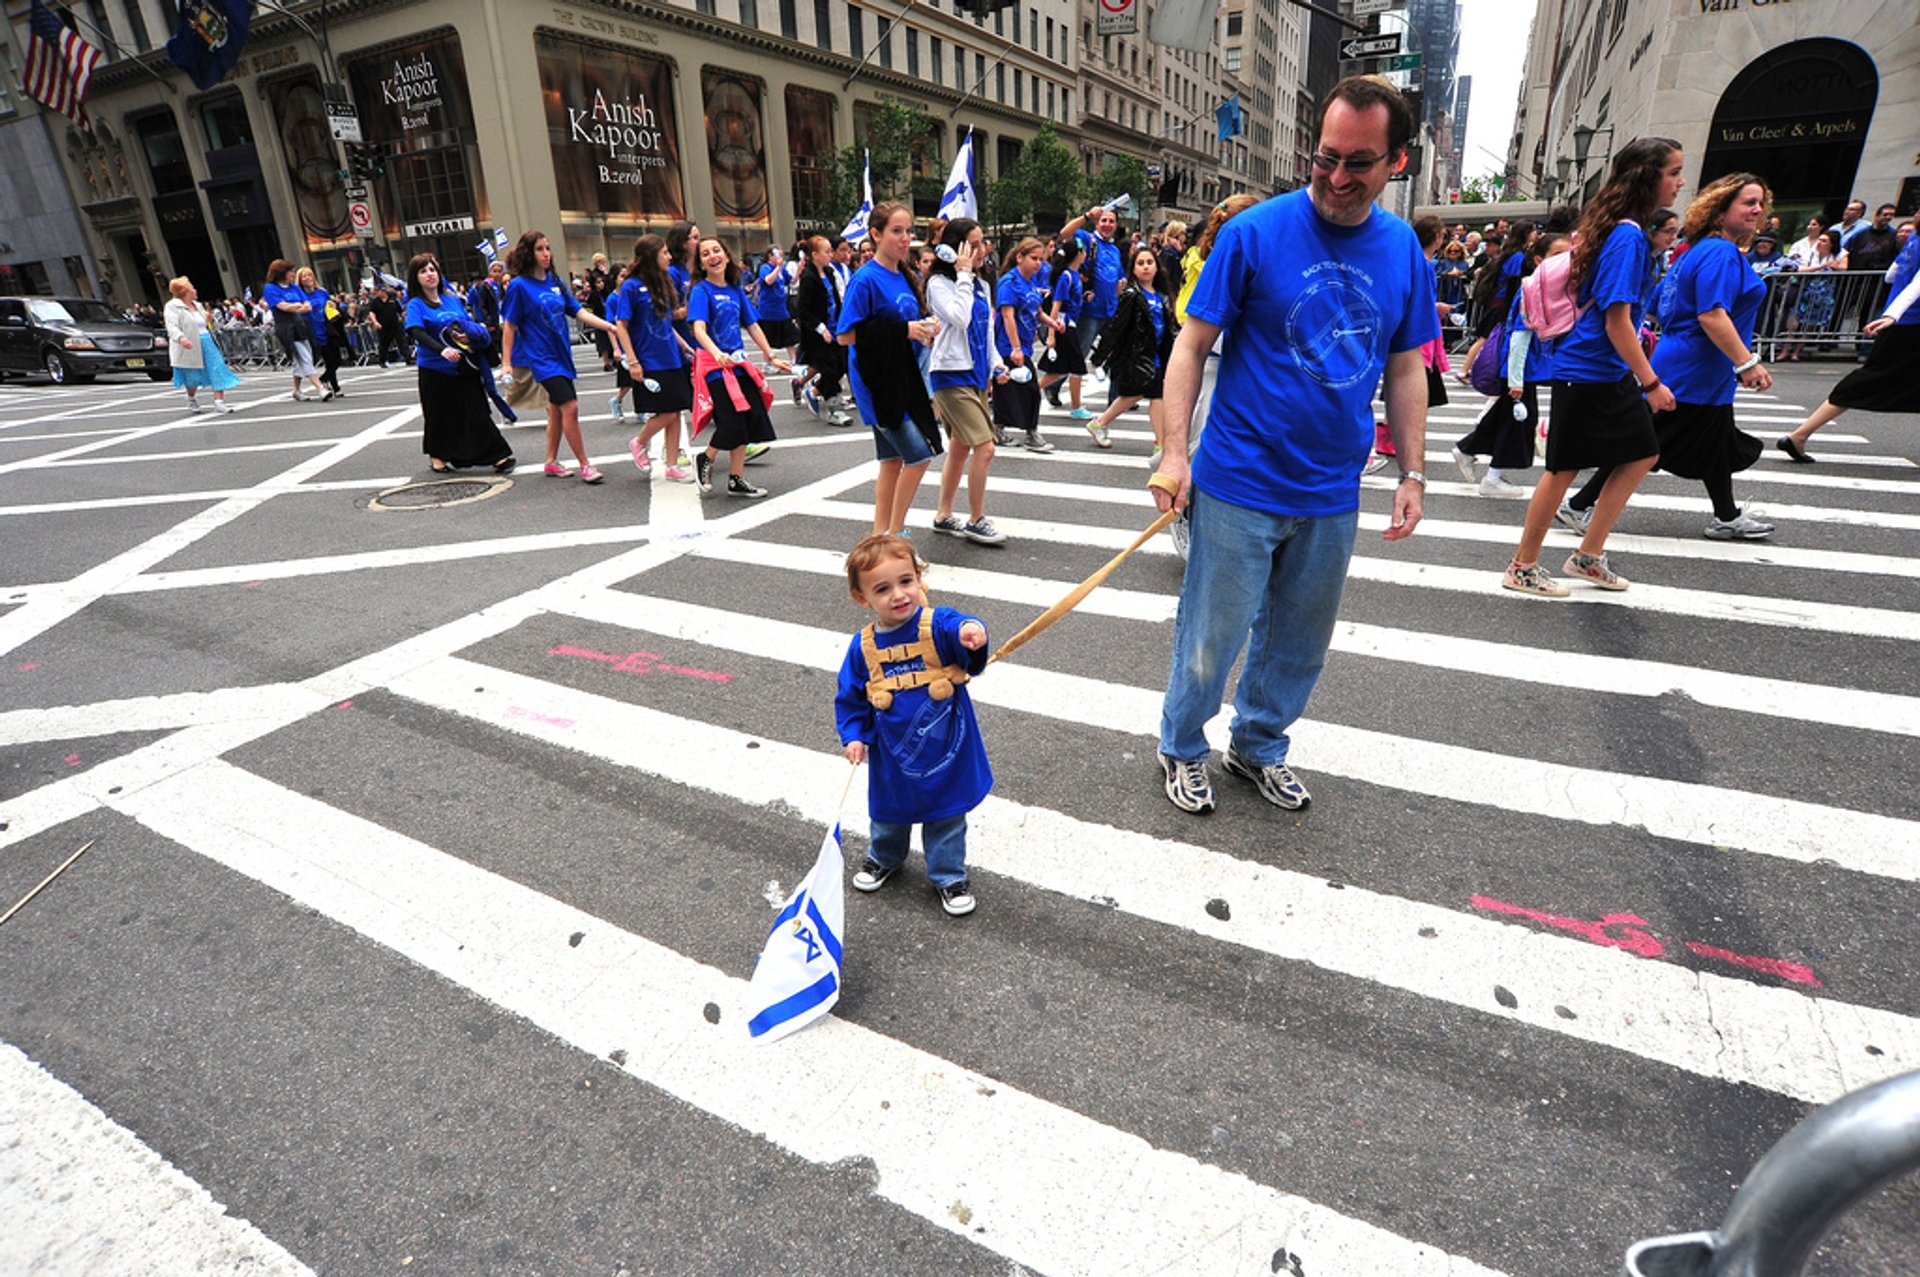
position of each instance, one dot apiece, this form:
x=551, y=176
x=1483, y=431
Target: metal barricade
x=1818, y=312
x=1805, y=1183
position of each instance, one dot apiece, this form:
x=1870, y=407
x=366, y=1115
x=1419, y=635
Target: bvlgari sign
x=610, y=122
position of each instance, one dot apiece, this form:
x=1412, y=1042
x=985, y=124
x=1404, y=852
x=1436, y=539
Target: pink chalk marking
x=708, y=675
x=344, y=705
x=73, y=760
x=30, y=665
x=515, y=711
x=1635, y=942
x=566, y=649
x=640, y=663
x=253, y=585
x=1797, y=972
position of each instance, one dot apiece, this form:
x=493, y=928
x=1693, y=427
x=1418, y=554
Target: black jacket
x=1127, y=349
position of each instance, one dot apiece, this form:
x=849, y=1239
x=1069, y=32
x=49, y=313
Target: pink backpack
x=1547, y=297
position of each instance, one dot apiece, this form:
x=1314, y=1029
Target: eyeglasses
x=1358, y=165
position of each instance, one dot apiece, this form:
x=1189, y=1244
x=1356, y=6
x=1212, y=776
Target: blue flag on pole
x=208, y=40
x=797, y=979
x=856, y=229
x=960, y=199
x=1229, y=118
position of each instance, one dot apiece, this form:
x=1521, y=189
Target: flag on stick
x=60, y=65
x=797, y=979
x=1080, y=591
x=960, y=199
x=1184, y=24
x=856, y=229
x=208, y=38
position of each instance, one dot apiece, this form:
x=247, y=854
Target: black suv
x=73, y=339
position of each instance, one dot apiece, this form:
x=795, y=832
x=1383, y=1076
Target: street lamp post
x=1583, y=136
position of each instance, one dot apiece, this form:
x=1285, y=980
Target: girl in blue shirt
x=534, y=336
x=1502, y=434
x=722, y=317
x=657, y=359
x=458, y=423
x=683, y=243
x=1134, y=348
x=1885, y=383
x=315, y=296
x=289, y=307
x=1064, y=359
x=1605, y=392
x=1016, y=401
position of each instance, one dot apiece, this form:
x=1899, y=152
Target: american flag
x=59, y=65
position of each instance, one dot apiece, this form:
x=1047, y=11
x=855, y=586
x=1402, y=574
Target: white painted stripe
x=1695, y=503
x=1837, y=618
x=45, y=611
x=81, y=1194
x=153, y=713
x=196, y=454
x=1023, y=1168
x=1763, y=553
x=1704, y=1023
x=1709, y=815
x=1619, y=676
x=205, y=496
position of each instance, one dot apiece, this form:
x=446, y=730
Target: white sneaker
x=1376, y=463
x=1573, y=520
x=1742, y=527
x=1497, y=486
x=222, y=405
x=1465, y=462
x=193, y=405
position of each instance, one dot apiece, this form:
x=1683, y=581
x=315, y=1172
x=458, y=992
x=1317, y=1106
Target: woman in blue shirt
x=1605, y=392
x=534, y=335
x=723, y=318
x=1886, y=382
x=1064, y=358
x=458, y=424
x=1710, y=302
x=316, y=298
x=663, y=381
x=1016, y=401
x=289, y=307
x=1134, y=347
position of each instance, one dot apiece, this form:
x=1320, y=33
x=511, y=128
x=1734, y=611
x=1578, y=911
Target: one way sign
x=1372, y=46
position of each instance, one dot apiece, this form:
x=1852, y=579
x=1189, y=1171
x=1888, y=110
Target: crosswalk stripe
x=81, y=1194
x=1708, y=815
x=1702, y=1022
x=1837, y=618
x=938, y=1134
x=205, y=496
x=1753, y=552
x=1620, y=676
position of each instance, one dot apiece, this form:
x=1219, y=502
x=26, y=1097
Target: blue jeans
x=1265, y=582
x=945, y=840
x=1090, y=326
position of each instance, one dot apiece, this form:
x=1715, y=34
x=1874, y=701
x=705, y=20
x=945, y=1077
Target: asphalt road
x=432, y=849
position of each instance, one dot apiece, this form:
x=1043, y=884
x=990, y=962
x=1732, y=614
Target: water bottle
x=1519, y=411
x=1022, y=374
x=653, y=387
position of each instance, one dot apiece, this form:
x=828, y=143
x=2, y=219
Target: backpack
x=1548, y=295
x=1488, y=372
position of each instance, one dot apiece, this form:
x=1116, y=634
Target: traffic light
x=377, y=159
x=366, y=160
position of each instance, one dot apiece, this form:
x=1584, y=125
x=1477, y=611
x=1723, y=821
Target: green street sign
x=1403, y=62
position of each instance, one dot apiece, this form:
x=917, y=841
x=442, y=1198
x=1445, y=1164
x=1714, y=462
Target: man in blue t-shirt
x=1102, y=270
x=1313, y=294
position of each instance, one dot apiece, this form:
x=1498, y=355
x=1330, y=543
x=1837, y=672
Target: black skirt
x=459, y=427
x=735, y=427
x=1436, y=389
x=1700, y=441
x=1016, y=406
x=1067, y=357
x=1599, y=424
x=1887, y=382
x=675, y=393
x=779, y=332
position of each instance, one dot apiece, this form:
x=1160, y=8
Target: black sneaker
x=957, y=898
x=1053, y=394
x=872, y=876
x=737, y=486
x=1188, y=786
x=1276, y=784
x=703, y=471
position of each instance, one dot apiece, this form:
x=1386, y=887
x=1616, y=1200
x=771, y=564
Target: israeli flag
x=797, y=979
x=960, y=199
x=485, y=249
x=856, y=230
x=500, y=239
x=1119, y=204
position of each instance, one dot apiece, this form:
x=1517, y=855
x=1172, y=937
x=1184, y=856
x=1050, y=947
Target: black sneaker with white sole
x=1276, y=783
x=703, y=471
x=737, y=486
x=957, y=898
x=1188, y=786
x=872, y=875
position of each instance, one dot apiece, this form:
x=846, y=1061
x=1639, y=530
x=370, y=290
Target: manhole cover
x=440, y=493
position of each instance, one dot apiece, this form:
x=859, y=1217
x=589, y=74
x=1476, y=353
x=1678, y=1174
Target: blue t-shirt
x=1901, y=274
x=682, y=283
x=611, y=309
x=726, y=311
x=1710, y=275
x=652, y=335
x=274, y=294
x=1624, y=273
x=1311, y=310
x=1103, y=267
x=1157, y=310
x=874, y=293
x=1539, y=349
x=1067, y=290
x=1023, y=294
x=773, y=291
x=317, y=317
x=980, y=323
x=434, y=318
x=925, y=757
x=538, y=310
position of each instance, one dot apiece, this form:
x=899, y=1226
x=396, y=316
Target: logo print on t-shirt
x=1331, y=328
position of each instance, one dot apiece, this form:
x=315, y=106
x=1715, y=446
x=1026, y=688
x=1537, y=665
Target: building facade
x=42, y=248
x=592, y=120
x=1820, y=97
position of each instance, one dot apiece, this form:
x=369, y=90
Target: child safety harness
x=938, y=679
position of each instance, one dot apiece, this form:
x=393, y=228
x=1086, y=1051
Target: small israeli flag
x=960, y=199
x=797, y=979
x=500, y=239
x=1119, y=203
x=856, y=229
x=485, y=249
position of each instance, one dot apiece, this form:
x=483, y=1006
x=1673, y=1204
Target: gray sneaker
x=982, y=532
x=1464, y=461
x=1276, y=784
x=1572, y=519
x=1741, y=527
x=1182, y=532
x=1188, y=786
x=952, y=526
x=1037, y=443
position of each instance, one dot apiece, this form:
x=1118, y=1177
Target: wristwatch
x=1418, y=476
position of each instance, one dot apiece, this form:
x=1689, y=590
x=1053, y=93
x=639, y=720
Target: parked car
x=74, y=339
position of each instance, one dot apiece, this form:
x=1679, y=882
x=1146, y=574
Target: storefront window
x=225, y=120
x=809, y=143
x=736, y=153
x=612, y=126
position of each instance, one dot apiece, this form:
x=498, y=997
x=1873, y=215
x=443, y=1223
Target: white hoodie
x=951, y=301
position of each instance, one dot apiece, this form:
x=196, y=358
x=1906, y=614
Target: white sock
x=1492, y=475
